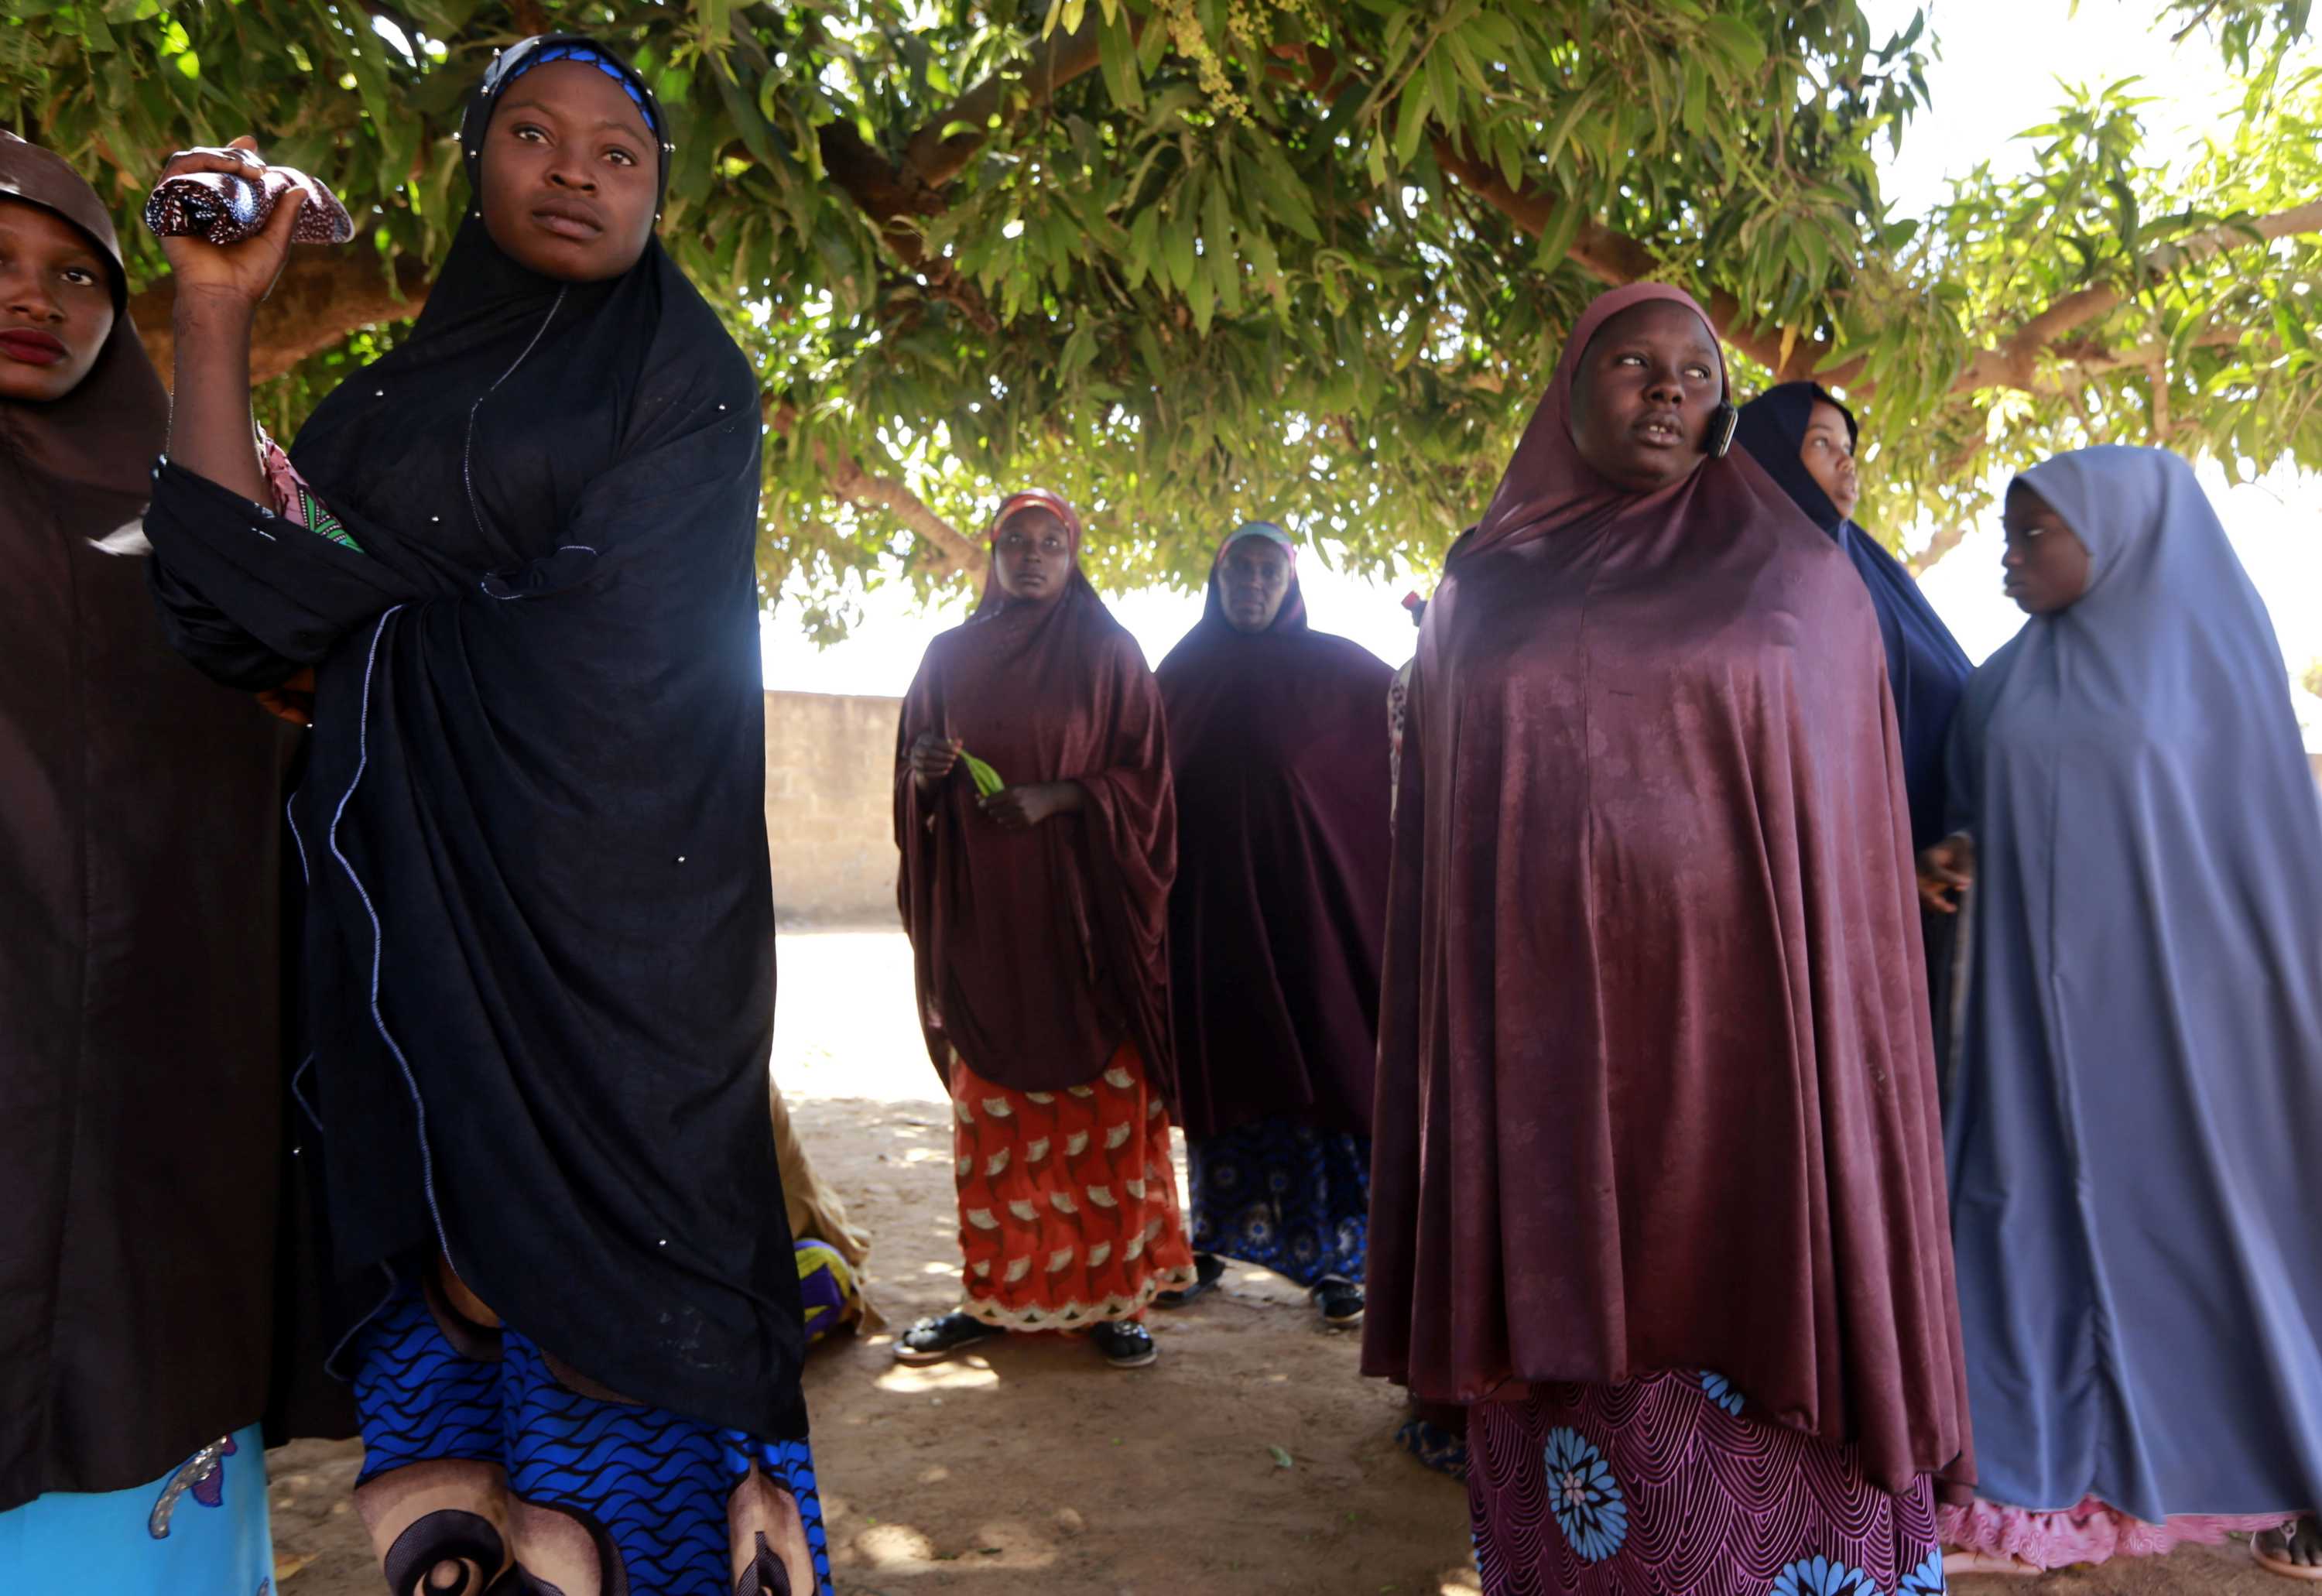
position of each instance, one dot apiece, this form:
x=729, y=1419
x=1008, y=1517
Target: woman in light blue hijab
x=2135, y=1205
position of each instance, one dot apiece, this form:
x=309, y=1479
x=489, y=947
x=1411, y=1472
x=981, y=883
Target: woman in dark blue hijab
x=1805, y=440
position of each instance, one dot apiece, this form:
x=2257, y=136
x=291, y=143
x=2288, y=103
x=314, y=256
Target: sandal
x=1434, y=1446
x=1125, y=1344
x=1957, y=1563
x=932, y=1340
x=2276, y=1563
x=1209, y=1268
x=1340, y=1302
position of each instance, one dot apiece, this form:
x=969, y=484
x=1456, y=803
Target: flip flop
x=2282, y=1565
x=932, y=1340
x=1958, y=1562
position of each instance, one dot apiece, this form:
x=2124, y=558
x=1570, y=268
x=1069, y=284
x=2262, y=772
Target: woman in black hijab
x=539, y=937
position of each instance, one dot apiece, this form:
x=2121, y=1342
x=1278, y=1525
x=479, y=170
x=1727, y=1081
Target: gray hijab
x=2139, y=1108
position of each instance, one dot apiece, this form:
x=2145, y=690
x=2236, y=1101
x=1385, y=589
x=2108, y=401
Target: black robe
x=540, y=931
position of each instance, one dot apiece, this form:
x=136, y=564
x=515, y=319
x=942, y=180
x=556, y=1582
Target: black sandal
x=1209, y=1268
x=1340, y=1302
x=1125, y=1344
x=932, y=1340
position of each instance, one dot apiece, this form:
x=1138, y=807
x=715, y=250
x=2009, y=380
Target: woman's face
x=1828, y=455
x=1253, y=580
x=2046, y=566
x=571, y=174
x=1032, y=556
x=56, y=304
x=1643, y=395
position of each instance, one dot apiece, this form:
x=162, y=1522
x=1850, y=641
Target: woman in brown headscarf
x=138, y=1020
x=1038, y=915
x=1658, y=1183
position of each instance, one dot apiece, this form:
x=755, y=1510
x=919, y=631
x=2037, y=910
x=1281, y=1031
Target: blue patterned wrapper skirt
x=1283, y=1195
x=1670, y=1484
x=485, y=1471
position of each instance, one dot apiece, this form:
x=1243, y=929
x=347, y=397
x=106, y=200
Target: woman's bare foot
x=1957, y=1563
x=2294, y=1553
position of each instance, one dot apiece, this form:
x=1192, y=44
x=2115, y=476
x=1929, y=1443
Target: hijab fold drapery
x=1278, y=741
x=540, y=938
x=139, y=1034
x=1926, y=668
x=1655, y=1089
x=2133, y=1141
x=1038, y=953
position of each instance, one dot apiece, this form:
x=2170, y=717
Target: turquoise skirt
x=198, y=1530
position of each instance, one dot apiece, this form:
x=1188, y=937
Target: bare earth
x=1037, y=1468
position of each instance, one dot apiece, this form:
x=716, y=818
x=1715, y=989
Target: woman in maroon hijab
x=1280, y=755
x=1039, y=917
x=140, y=1029
x=1658, y=1182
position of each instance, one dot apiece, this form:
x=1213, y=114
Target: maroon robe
x=1278, y=741
x=1655, y=1084
x=1038, y=953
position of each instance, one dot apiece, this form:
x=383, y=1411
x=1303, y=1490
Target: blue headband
x=587, y=56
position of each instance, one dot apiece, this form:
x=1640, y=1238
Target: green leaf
x=1143, y=236
x=1117, y=56
x=1177, y=250
x=1411, y=121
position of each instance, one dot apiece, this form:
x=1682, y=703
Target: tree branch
x=323, y=295
x=894, y=196
x=930, y=161
x=1941, y=545
x=1616, y=259
x=954, y=551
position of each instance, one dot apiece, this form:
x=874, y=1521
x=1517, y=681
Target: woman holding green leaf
x=1038, y=915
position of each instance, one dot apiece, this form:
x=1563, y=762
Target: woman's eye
x=621, y=156
x=80, y=276
x=526, y=131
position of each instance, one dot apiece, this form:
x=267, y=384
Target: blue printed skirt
x=1284, y=1196
x=483, y=1470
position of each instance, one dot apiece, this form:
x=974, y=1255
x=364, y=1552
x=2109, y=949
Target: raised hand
x=238, y=274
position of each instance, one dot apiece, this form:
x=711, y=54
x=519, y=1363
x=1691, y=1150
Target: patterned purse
x=225, y=207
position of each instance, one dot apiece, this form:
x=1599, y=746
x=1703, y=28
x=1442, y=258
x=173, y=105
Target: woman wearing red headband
x=1038, y=915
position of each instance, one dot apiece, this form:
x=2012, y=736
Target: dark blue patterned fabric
x=1284, y=1196
x=591, y=58
x=657, y=1485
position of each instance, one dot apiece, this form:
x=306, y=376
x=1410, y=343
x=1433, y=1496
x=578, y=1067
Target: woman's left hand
x=293, y=700
x=1020, y=808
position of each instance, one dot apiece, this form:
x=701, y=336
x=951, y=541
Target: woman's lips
x=1661, y=431
x=29, y=348
x=567, y=224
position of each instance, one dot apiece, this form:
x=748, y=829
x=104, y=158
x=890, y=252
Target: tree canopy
x=1192, y=261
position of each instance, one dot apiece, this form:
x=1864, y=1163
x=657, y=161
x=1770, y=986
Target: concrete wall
x=830, y=764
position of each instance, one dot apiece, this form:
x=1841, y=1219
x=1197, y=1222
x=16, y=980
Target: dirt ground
x=1037, y=1469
